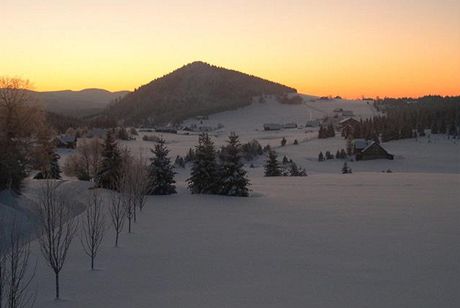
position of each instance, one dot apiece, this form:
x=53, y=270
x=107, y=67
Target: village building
x=272, y=126
x=368, y=150
x=349, y=122
x=168, y=130
x=349, y=127
x=290, y=125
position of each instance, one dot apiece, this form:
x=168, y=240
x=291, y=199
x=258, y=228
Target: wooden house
x=368, y=150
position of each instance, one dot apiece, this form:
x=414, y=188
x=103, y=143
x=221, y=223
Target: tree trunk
x=116, y=239
x=57, y=285
x=129, y=225
x=92, y=263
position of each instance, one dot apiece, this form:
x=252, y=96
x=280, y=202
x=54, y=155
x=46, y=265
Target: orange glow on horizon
x=329, y=47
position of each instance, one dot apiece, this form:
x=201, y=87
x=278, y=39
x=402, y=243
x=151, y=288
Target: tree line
x=408, y=118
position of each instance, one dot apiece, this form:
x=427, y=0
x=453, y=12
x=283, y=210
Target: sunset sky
x=323, y=47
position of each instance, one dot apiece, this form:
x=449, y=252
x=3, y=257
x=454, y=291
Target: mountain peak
x=197, y=88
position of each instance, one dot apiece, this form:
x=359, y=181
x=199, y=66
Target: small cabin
x=368, y=150
x=272, y=126
x=290, y=125
x=349, y=122
x=167, y=130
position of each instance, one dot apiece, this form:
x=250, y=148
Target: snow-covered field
x=367, y=239
x=360, y=240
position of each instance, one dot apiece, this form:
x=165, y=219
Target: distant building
x=168, y=130
x=290, y=125
x=349, y=122
x=368, y=150
x=272, y=126
x=65, y=141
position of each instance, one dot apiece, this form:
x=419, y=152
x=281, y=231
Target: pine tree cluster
x=326, y=132
x=287, y=168
x=406, y=118
x=218, y=174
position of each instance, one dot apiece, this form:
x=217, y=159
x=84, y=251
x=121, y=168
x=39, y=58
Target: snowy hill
x=252, y=117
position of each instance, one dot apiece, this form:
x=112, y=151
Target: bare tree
x=125, y=188
x=57, y=228
x=140, y=181
x=117, y=214
x=3, y=240
x=19, y=277
x=93, y=226
x=85, y=162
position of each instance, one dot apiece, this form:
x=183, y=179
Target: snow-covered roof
x=360, y=144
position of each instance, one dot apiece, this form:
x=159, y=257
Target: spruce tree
x=272, y=167
x=283, y=142
x=52, y=171
x=111, y=164
x=330, y=131
x=204, y=174
x=161, y=171
x=321, y=156
x=233, y=179
x=294, y=170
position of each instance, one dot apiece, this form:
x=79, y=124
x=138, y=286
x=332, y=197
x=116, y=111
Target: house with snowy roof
x=368, y=150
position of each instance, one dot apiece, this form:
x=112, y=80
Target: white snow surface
x=366, y=239
x=329, y=240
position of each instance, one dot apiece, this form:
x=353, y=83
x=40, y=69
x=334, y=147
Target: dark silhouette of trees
x=161, y=171
x=272, y=167
x=232, y=176
x=111, y=164
x=204, y=174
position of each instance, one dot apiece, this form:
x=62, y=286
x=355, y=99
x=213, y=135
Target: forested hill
x=76, y=103
x=195, y=89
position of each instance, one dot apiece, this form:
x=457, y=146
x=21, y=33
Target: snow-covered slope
x=360, y=240
x=252, y=117
x=366, y=239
